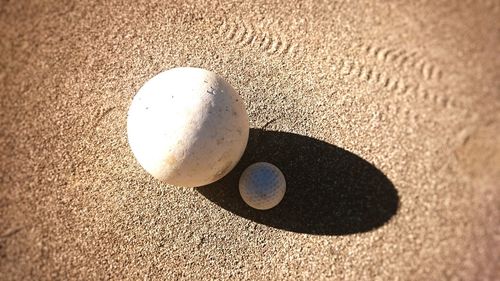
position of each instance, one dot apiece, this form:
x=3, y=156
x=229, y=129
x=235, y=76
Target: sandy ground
x=383, y=115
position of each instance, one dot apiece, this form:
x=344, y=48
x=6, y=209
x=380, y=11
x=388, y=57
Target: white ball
x=262, y=186
x=187, y=127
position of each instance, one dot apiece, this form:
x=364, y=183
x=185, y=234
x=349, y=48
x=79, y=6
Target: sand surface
x=384, y=117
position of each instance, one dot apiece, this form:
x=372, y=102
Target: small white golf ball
x=187, y=127
x=262, y=186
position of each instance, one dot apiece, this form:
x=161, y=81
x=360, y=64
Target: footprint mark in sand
x=242, y=34
x=403, y=113
x=369, y=74
x=405, y=59
x=352, y=69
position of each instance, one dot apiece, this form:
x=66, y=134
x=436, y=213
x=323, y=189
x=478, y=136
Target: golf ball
x=262, y=186
x=187, y=127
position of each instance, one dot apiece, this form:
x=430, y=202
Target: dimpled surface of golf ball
x=262, y=186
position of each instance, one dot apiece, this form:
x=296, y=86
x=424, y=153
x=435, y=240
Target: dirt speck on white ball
x=187, y=127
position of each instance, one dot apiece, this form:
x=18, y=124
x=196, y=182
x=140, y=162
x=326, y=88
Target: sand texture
x=384, y=117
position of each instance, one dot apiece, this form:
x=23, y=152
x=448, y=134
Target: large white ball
x=187, y=127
